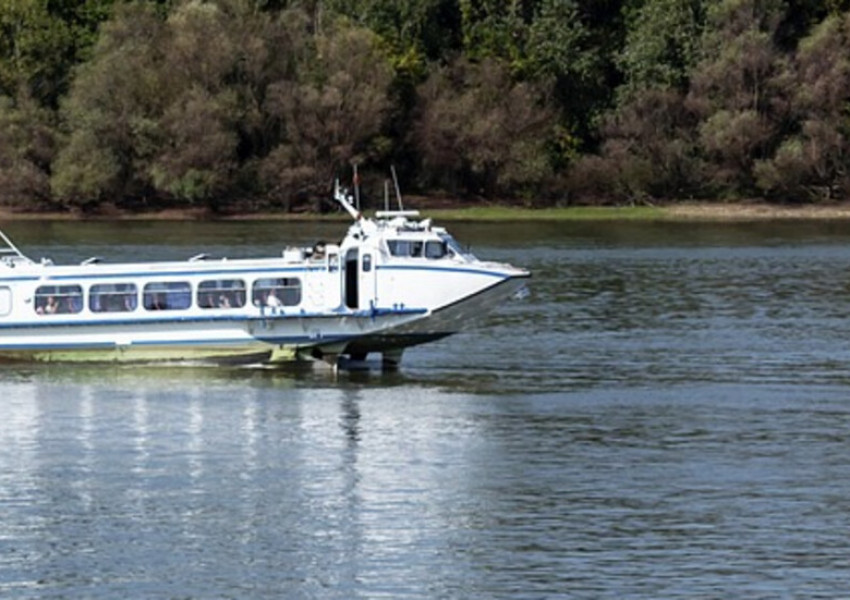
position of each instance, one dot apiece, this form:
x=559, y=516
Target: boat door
x=352, y=278
x=359, y=279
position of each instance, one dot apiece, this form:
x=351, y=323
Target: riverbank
x=736, y=212
x=756, y=212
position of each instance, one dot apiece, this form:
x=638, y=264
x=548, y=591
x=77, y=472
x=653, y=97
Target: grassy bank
x=580, y=213
x=681, y=212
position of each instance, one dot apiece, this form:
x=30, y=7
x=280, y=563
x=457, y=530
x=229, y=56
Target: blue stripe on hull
x=156, y=319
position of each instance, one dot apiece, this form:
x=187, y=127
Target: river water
x=667, y=415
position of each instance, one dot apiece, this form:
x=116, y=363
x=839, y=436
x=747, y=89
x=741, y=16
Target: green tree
x=42, y=40
x=193, y=157
x=733, y=88
x=480, y=132
x=34, y=50
x=217, y=100
x=112, y=112
x=662, y=42
x=563, y=52
x=495, y=28
x=428, y=29
x=811, y=163
x=649, y=151
x=330, y=115
x=648, y=144
x=197, y=157
x=27, y=145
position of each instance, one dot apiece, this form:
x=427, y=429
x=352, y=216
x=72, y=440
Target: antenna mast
x=397, y=190
x=356, y=188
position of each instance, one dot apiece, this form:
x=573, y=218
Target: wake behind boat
x=391, y=283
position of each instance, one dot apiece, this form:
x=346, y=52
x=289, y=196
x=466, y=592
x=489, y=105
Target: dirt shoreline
x=676, y=212
x=755, y=211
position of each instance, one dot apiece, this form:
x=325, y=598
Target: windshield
x=455, y=248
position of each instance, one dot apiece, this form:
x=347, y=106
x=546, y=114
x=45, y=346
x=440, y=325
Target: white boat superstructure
x=391, y=283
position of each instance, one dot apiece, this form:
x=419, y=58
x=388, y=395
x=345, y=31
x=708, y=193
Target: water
x=665, y=416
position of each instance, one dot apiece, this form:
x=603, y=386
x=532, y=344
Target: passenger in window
x=157, y=302
x=71, y=305
x=224, y=301
x=207, y=301
x=50, y=307
x=272, y=300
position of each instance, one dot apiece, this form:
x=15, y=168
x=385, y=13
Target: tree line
x=246, y=104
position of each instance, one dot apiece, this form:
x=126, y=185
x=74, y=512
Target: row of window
x=167, y=295
x=430, y=249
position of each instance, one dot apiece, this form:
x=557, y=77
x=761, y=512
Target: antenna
x=386, y=195
x=397, y=190
x=356, y=187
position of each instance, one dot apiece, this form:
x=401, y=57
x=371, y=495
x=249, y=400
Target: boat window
x=221, y=293
x=58, y=299
x=367, y=263
x=5, y=301
x=405, y=248
x=167, y=295
x=455, y=249
x=282, y=291
x=435, y=249
x=113, y=297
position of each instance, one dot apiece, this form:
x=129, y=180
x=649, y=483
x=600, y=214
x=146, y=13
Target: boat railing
x=9, y=253
x=394, y=214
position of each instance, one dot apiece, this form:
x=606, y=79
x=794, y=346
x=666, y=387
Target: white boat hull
x=270, y=339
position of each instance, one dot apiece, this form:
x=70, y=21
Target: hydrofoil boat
x=394, y=281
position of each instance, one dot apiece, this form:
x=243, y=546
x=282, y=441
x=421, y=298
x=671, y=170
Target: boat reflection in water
x=158, y=479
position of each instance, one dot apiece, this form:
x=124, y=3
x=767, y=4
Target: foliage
x=650, y=151
x=812, y=162
x=734, y=90
x=223, y=92
x=27, y=145
x=219, y=102
x=329, y=117
x=111, y=112
x=662, y=44
x=40, y=41
x=481, y=131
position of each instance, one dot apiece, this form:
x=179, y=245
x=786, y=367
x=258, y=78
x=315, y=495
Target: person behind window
x=70, y=305
x=157, y=302
x=51, y=307
x=207, y=300
x=272, y=300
